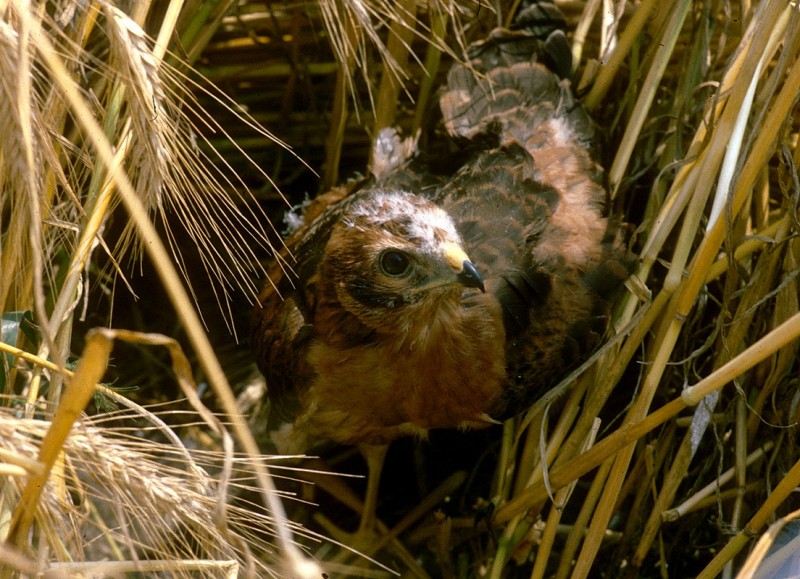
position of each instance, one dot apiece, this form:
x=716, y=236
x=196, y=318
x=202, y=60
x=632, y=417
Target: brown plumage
x=378, y=326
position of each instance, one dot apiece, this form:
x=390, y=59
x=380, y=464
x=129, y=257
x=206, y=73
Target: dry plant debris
x=697, y=391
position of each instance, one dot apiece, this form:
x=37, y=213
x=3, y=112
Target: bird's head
x=394, y=259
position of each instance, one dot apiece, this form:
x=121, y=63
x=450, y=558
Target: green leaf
x=15, y=327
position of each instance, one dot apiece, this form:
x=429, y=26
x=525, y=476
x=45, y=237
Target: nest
x=154, y=154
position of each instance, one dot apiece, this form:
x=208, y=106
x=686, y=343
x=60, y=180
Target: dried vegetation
x=667, y=454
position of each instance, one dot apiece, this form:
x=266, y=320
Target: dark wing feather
x=532, y=210
x=281, y=327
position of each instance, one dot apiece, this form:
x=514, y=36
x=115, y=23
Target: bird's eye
x=394, y=262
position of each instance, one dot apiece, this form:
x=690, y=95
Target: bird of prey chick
x=450, y=293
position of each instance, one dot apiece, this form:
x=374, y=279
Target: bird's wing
x=281, y=326
x=532, y=208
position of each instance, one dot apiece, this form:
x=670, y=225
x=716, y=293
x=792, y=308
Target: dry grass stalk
x=353, y=29
x=688, y=87
x=354, y=25
x=753, y=527
x=709, y=489
x=179, y=298
x=100, y=507
x=784, y=561
x=93, y=460
x=770, y=20
x=136, y=103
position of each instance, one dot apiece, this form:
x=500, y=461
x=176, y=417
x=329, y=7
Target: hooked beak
x=470, y=277
x=466, y=273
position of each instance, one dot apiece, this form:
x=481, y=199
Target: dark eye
x=394, y=262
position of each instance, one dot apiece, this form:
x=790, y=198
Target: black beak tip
x=470, y=277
